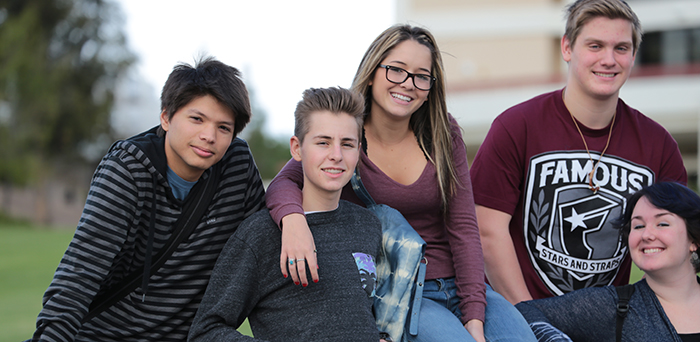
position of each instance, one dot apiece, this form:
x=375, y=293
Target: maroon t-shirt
x=533, y=165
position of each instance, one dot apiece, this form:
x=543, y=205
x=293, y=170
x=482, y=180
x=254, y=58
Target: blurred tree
x=59, y=61
x=270, y=153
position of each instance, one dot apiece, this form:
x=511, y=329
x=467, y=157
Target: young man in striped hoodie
x=143, y=192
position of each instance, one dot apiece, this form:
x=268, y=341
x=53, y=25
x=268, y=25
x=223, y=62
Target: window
x=674, y=47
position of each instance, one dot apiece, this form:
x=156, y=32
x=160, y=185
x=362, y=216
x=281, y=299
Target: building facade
x=498, y=53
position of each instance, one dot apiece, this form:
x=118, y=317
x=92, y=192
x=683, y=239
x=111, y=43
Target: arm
x=471, y=273
x=497, y=175
x=284, y=201
x=501, y=263
x=90, y=255
x=540, y=325
x=475, y=328
x=463, y=236
x=231, y=295
x=582, y=315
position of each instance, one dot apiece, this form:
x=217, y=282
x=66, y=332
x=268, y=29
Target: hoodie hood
x=149, y=149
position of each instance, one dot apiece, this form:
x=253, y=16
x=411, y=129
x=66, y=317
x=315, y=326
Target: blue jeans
x=439, y=318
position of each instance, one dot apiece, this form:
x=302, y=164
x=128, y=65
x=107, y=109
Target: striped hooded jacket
x=111, y=241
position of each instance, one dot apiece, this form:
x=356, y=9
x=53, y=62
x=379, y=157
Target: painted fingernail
x=285, y=275
x=304, y=285
x=315, y=280
x=296, y=283
x=316, y=266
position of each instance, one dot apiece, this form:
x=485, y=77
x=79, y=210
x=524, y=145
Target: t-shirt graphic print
x=368, y=272
x=568, y=229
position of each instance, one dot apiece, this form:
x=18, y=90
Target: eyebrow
x=404, y=64
x=638, y=217
x=223, y=122
x=603, y=42
x=320, y=136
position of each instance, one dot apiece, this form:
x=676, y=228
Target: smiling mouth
x=401, y=97
x=604, y=75
x=333, y=171
x=651, y=250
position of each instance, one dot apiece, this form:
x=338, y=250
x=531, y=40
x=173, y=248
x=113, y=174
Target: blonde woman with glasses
x=414, y=160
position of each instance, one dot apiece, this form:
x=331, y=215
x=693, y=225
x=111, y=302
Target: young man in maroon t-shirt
x=554, y=171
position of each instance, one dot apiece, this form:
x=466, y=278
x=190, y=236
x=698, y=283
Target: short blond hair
x=335, y=100
x=582, y=11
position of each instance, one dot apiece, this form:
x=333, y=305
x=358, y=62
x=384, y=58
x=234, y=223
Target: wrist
x=291, y=219
x=385, y=336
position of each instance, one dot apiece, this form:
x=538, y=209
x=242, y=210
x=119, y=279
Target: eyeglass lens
x=398, y=75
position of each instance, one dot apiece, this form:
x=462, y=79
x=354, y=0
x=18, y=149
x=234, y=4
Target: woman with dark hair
x=413, y=159
x=661, y=226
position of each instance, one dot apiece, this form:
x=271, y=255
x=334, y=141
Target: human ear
x=295, y=148
x=164, y=121
x=566, y=49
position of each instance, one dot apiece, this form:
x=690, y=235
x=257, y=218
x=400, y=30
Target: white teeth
x=604, y=75
x=401, y=97
x=334, y=171
x=652, y=250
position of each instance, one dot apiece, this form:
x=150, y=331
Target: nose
x=649, y=234
x=208, y=133
x=408, y=83
x=335, y=153
x=608, y=58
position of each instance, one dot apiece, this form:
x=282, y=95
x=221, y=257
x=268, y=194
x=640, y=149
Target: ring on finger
x=291, y=261
x=301, y=259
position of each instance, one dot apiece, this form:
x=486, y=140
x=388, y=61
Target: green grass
x=636, y=274
x=29, y=256
x=28, y=259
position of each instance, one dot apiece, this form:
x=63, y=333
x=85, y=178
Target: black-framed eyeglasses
x=398, y=75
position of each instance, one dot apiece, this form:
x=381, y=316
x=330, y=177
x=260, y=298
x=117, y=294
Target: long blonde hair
x=430, y=123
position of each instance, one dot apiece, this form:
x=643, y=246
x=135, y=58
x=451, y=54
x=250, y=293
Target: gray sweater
x=247, y=282
x=590, y=315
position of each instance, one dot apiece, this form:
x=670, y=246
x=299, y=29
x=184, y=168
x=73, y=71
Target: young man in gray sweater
x=246, y=282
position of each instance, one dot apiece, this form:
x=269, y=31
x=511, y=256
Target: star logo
x=576, y=219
